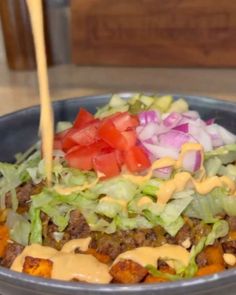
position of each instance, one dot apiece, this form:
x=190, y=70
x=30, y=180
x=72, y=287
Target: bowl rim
x=210, y=281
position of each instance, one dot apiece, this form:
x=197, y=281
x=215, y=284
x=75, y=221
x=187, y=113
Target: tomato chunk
x=136, y=159
x=106, y=164
x=66, y=139
x=88, y=134
x=130, y=137
x=119, y=157
x=83, y=118
x=57, y=144
x=112, y=136
x=124, y=121
x=81, y=158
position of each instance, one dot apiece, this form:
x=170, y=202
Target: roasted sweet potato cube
x=151, y=279
x=209, y=269
x=4, y=237
x=38, y=267
x=167, y=269
x=100, y=257
x=214, y=254
x=163, y=267
x=232, y=235
x=128, y=272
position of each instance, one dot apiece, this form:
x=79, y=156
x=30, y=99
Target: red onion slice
x=201, y=136
x=149, y=117
x=160, y=152
x=172, y=120
x=175, y=139
x=147, y=131
x=210, y=121
x=193, y=115
x=192, y=161
x=163, y=173
x=228, y=137
x=214, y=133
x=182, y=128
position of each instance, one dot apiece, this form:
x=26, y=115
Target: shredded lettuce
x=188, y=193
x=174, y=209
x=212, y=166
x=219, y=230
x=125, y=223
x=137, y=207
x=58, y=208
x=31, y=162
x=192, y=267
x=19, y=227
x=207, y=207
x=174, y=227
x=171, y=228
x=110, y=209
x=151, y=187
x=36, y=226
x=37, y=173
x=8, y=183
x=168, y=216
x=229, y=170
x=226, y=153
x=118, y=188
x=157, y=273
x=73, y=177
x=104, y=226
x=14, y=175
x=220, y=164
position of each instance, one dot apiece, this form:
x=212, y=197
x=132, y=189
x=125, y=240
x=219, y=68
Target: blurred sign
x=154, y=32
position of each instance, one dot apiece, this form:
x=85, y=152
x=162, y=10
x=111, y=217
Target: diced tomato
x=88, y=134
x=57, y=144
x=119, y=157
x=61, y=134
x=124, y=121
x=106, y=164
x=136, y=159
x=82, y=118
x=112, y=136
x=67, y=141
x=103, y=147
x=81, y=158
x=74, y=148
x=130, y=137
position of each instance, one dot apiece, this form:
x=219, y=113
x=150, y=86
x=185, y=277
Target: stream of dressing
x=46, y=115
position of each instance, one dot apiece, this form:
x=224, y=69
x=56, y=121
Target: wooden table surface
x=19, y=89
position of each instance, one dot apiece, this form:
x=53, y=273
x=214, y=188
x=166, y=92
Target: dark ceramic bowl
x=19, y=130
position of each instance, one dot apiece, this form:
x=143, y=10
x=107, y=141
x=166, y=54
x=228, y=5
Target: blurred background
x=103, y=46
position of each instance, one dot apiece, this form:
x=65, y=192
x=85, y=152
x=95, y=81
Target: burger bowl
x=19, y=130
